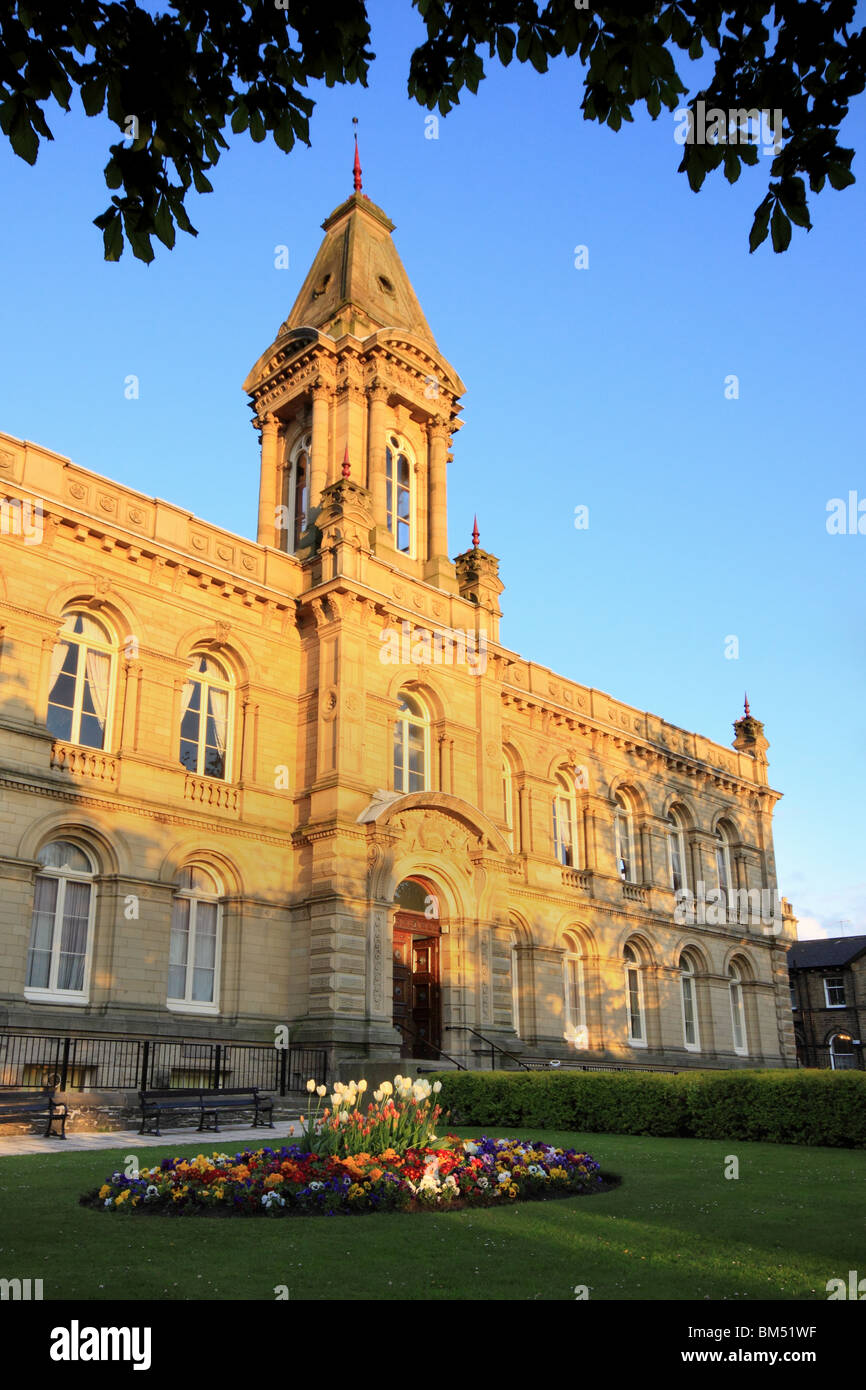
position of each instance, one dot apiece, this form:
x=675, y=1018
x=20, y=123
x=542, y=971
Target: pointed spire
x=475, y=536
x=746, y=706
x=357, y=166
x=346, y=465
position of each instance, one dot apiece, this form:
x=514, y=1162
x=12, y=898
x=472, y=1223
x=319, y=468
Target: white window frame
x=688, y=977
x=723, y=860
x=303, y=445
x=188, y=1005
x=852, y=1054
x=37, y=994
x=564, y=798
x=573, y=982
x=624, y=816
x=508, y=799
x=633, y=963
x=738, y=1009
x=676, y=837
x=396, y=444
x=844, y=1004
x=403, y=720
x=207, y=682
x=108, y=648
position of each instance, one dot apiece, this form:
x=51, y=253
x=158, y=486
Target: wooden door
x=403, y=987
x=417, y=1005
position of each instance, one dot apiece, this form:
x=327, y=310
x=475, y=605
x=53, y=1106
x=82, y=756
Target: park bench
x=207, y=1104
x=32, y=1105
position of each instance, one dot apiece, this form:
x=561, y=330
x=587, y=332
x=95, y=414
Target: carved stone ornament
x=436, y=833
x=78, y=490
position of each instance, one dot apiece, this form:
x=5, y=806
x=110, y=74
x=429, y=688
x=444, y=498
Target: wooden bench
x=32, y=1105
x=208, y=1105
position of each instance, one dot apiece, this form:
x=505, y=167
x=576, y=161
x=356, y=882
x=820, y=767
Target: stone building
x=300, y=781
x=828, y=1000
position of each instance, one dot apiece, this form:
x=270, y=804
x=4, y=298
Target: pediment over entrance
x=434, y=821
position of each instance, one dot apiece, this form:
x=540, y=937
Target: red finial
x=746, y=707
x=475, y=536
x=357, y=167
x=346, y=466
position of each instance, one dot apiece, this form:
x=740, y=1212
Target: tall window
x=61, y=927
x=738, y=1013
x=411, y=745
x=80, y=682
x=691, y=1035
x=677, y=851
x=834, y=991
x=398, y=479
x=624, y=828
x=298, y=498
x=565, y=822
x=634, y=998
x=193, y=967
x=575, y=1009
x=723, y=859
x=205, y=718
x=515, y=982
x=508, y=800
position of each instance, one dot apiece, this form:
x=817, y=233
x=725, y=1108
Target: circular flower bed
x=290, y=1180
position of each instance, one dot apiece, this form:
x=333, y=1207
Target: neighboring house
x=299, y=781
x=828, y=999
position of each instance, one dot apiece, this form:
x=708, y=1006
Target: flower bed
x=290, y=1180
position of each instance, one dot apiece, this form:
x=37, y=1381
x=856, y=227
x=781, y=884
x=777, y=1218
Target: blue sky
x=603, y=387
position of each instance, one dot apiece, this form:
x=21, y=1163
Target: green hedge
x=784, y=1107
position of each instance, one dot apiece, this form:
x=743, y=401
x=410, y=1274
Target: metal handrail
x=494, y=1047
x=406, y=1028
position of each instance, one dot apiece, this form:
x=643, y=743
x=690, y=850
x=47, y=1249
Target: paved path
x=130, y=1140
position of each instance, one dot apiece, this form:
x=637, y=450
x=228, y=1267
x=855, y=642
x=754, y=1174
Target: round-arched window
x=80, y=681
x=206, y=715
x=411, y=745
x=61, y=927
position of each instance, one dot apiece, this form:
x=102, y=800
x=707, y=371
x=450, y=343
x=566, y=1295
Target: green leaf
x=792, y=195
x=112, y=236
x=732, y=165
x=240, y=118
x=761, y=223
x=23, y=138
x=257, y=127
x=141, y=247
x=505, y=41
x=93, y=95
x=163, y=225
x=113, y=175
x=202, y=184
x=780, y=229
x=839, y=176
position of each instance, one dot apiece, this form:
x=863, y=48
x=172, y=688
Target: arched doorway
x=415, y=950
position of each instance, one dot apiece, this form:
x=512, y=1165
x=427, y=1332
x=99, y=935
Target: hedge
x=783, y=1107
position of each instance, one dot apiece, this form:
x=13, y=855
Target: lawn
x=675, y=1229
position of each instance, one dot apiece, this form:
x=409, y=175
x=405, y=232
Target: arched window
x=565, y=822
x=575, y=1007
x=842, y=1055
x=508, y=800
x=723, y=859
x=624, y=832
x=298, y=491
x=206, y=719
x=688, y=990
x=194, y=952
x=515, y=982
x=411, y=745
x=399, y=486
x=61, y=929
x=738, y=1013
x=677, y=850
x=634, y=998
x=80, y=683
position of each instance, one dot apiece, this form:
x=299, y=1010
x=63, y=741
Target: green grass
x=675, y=1229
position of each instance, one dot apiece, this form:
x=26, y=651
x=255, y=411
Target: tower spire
x=346, y=467
x=746, y=705
x=357, y=165
x=475, y=536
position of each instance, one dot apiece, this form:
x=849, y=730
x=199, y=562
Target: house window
x=677, y=851
x=723, y=859
x=508, y=800
x=80, y=682
x=634, y=998
x=194, y=952
x=565, y=822
x=575, y=1008
x=738, y=1015
x=298, y=497
x=794, y=1004
x=842, y=1054
x=688, y=992
x=624, y=831
x=61, y=929
x=834, y=991
x=411, y=745
x=398, y=487
x=206, y=711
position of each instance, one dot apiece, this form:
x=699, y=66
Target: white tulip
x=386, y=1088
x=377, y=1096
x=311, y=1085
x=320, y=1090
x=437, y=1087
x=362, y=1086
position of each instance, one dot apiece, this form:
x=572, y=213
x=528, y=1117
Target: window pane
x=41, y=933
x=73, y=938
x=178, y=948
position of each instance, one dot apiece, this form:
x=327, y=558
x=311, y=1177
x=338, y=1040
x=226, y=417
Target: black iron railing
x=82, y=1062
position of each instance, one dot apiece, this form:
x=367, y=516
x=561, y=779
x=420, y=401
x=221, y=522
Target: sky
x=606, y=387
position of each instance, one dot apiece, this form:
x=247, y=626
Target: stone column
x=437, y=526
x=321, y=394
x=270, y=429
